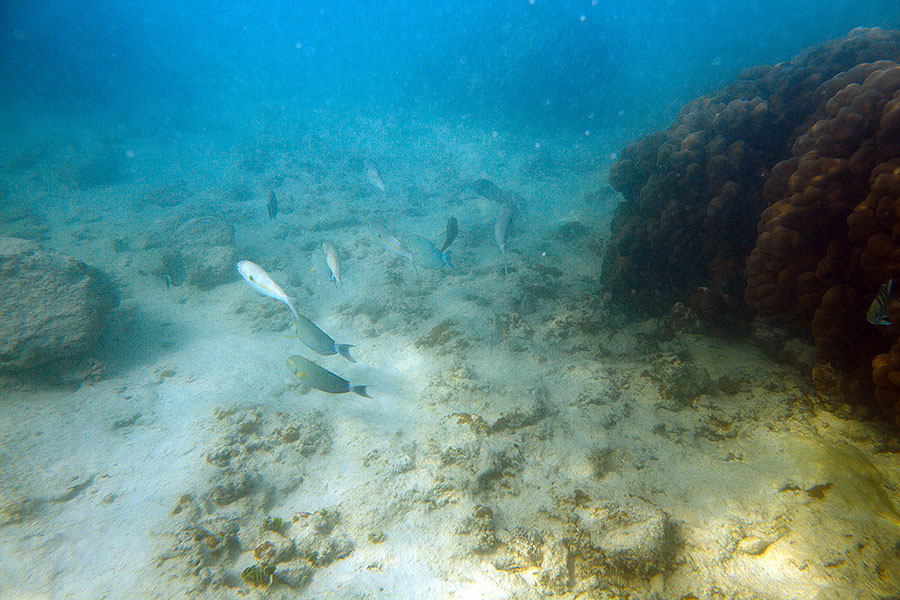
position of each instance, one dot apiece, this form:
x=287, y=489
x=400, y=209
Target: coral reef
x=778, y=194
x=694, y=192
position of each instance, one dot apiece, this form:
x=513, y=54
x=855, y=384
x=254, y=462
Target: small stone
x=753, y=545
x=294, y=577
x=235, y=487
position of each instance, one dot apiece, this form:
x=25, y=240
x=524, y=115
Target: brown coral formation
x=694, y=193
x=783, y=189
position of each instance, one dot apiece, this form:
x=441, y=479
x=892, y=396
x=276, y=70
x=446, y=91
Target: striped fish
x=877, y=313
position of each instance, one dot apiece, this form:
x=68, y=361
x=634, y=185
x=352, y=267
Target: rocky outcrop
x=52, y=306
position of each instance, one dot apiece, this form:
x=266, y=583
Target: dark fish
x=451, y=233
x=322, y=379
x=319, y=341
x=272, y=205
x=877, y=313
x=488, y=189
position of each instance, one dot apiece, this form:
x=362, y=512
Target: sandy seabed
x=523, y=440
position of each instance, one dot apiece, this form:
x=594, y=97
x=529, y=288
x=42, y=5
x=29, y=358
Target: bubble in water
x=537, y=144
x=587, y=132
x=582, y=18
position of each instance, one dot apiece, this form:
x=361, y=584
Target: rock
x=314, y=538
x=52, y=306
x=681, y=382
x=534, y=410
x=628, y=535
x=233, y=487
x=198, y=251
x=294, y=577
x=554, y=572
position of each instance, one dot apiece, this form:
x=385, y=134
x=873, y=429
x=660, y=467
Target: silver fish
x=501, y=230
x=260, y=281
x=390, y=241
x=373, y=175
x=333, y=261
x=877, y=313
x=322, y=379
x=319, y=341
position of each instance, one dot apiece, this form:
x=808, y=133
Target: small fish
x=260, y=281
x=877, y=313
x=373, y=175
x=272, y=205
x=390, y=241
x=426, y=255
x=450, y=234
x=501, y=230
x=488, y=190
x=334, y=263
x=322, y=379
x=168, y=282
x=319, y=341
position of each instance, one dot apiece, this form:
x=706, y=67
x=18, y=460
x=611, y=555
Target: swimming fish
x=501, y=229
x=373, y=175
x=334, y=263
x=450, y=234
x=322, y=379
x=319, y=341
x=426, y=255
x=272, y=205
x=488, y=189
x=877, y=313
x=390, y=241
x=260, y=281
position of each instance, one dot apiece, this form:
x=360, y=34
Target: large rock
x=52, y=306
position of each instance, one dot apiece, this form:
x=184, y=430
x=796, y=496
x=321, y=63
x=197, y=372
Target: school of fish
x=419, y=251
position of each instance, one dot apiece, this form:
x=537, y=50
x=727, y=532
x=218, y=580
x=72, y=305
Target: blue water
x=546, y=64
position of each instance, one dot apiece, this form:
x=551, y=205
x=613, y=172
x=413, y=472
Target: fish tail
x=445, y=256
x=344, y=350
x=360, y=390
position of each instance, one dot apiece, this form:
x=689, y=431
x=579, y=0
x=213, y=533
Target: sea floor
x=522, y=440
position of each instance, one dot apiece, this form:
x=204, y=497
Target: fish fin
x=344, y=350
x=360, y=390
x=445, y=256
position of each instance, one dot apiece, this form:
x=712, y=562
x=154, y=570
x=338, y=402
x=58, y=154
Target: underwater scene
x=491, y=300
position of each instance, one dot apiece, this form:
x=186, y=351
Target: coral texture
x=782, y=190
